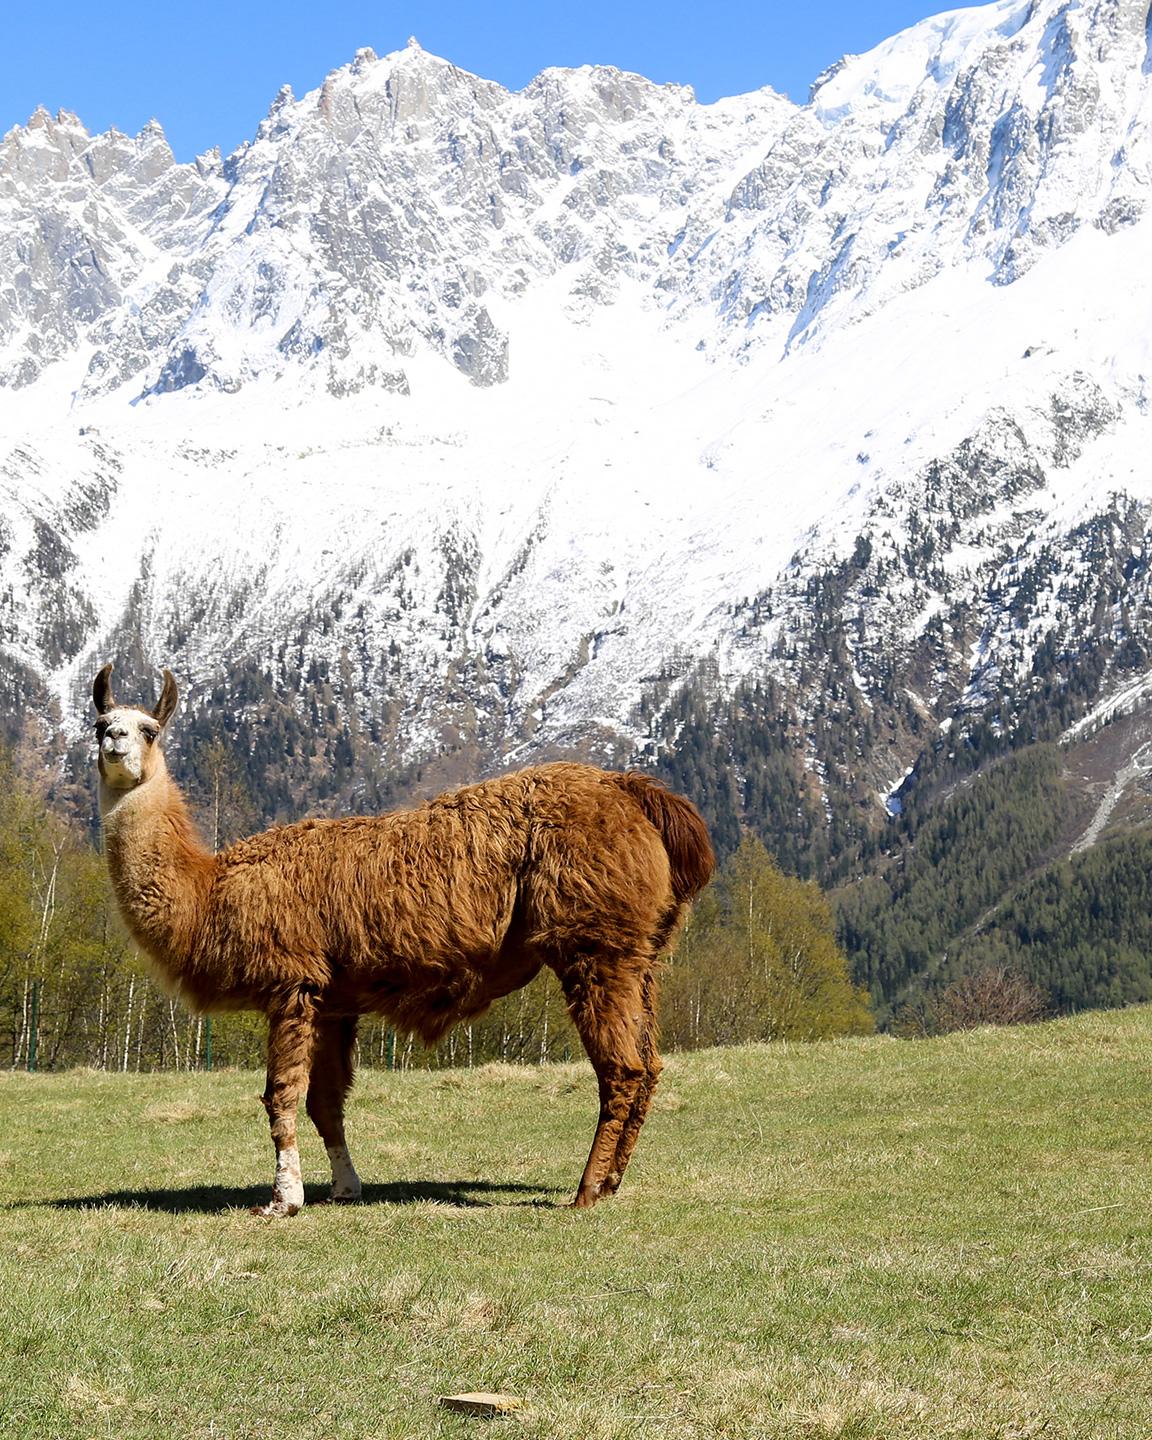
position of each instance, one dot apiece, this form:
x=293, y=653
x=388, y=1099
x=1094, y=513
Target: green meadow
x=857, y=1238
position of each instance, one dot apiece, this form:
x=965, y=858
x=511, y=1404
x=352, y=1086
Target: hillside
x=879, y=1239
x=1034, y=864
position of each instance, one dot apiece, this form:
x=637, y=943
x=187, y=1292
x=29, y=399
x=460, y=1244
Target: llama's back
x=436, y=909
x=434, y=882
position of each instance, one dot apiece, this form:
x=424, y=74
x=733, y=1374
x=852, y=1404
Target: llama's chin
x=118, y=774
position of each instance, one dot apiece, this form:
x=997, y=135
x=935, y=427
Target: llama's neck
x=161, y=871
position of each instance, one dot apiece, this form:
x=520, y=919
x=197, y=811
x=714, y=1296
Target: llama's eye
x=150, y=735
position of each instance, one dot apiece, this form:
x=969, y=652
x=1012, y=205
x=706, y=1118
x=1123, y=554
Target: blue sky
x=208, y=71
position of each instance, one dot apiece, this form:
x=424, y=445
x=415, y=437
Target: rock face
x=454, y=428
x=385, y=212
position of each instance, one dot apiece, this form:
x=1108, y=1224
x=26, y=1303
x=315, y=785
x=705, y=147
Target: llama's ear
x=167, y=702
x=102, y=691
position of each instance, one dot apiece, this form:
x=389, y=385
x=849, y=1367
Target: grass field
x=870, y=1238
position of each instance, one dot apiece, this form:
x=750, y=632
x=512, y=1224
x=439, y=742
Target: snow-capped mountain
x=470, y=427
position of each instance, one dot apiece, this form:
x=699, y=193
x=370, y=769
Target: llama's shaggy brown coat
x=424, y=916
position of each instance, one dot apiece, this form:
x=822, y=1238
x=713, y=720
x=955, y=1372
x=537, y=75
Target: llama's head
x=128, y=738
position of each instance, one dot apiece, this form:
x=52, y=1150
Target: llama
x=424, y=916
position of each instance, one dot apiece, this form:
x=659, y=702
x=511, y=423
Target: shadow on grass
x=210, y=1198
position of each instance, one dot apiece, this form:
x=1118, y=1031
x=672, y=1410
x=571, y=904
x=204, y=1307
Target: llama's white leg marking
x=345, y=1181
x=288, y=1187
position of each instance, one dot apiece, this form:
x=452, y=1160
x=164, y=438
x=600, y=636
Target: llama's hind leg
x=643, y=1099
x=604, y=1000
x=328, y=1086
x=291, y=1034
x=662, y=938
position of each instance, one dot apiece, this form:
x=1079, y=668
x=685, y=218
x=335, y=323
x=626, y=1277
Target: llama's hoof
x=275, y=1210
x=344, y=1198
x=587, y=1197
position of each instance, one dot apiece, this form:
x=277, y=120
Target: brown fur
x=424, y=916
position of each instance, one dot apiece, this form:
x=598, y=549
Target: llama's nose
x=116, y=740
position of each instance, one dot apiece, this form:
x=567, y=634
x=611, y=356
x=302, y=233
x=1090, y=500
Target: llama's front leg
x=291, y=1034
x=328, y=1085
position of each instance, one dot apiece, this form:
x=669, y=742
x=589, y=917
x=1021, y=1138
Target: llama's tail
x=682, y=829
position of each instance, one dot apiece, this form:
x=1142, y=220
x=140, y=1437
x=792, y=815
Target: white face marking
x=345, y=1181
x=125, y=736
